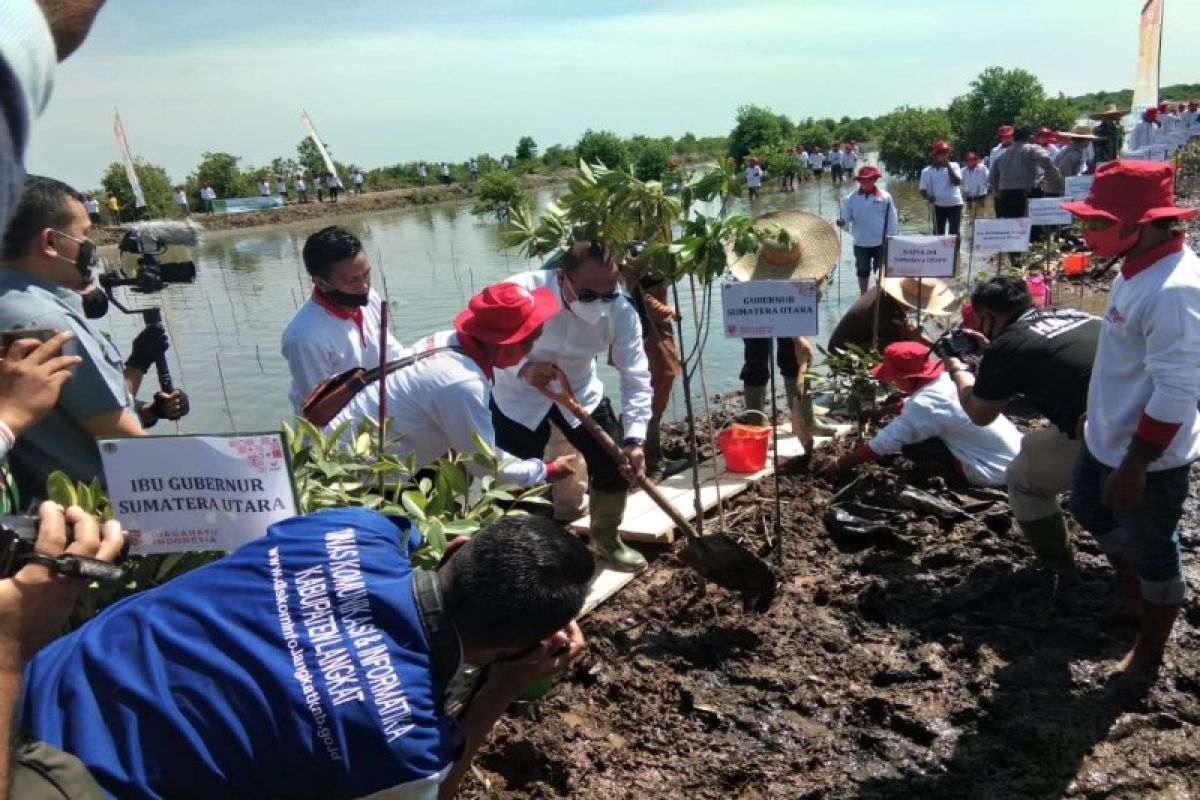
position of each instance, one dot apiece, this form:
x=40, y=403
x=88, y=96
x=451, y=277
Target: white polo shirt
x=754, y=176
x=937, y=183
x=1148, y=362
x=436, y=405
x=975, y=181
x=850, y=159
x=299, y=184
x=997, y=151
x=181, y=198
x=934, y=411
x=573, y=345
x=321, y=341
x=869, y=216
x=802, y=157
x=816, y=160
x=836, y=158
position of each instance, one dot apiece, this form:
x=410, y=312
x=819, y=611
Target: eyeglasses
x=590, y=296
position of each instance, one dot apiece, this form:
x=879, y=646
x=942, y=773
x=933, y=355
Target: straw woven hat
x=934, y=295
x=1108, y=112
x=814, y=252
x=1079, y=132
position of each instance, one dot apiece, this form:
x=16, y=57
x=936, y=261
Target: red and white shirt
x=323, y=339
x=1146, y=378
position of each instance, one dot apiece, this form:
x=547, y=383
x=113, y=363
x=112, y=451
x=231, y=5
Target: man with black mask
x=338, y=328
x=46, y=259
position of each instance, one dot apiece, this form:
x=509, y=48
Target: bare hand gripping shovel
x=715, y=556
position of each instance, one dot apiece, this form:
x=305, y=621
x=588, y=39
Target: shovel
x=716, y=557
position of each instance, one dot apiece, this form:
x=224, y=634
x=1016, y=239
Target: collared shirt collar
x=1140, y=262
x=333, y=309
x=15, y=276
x=473, y=349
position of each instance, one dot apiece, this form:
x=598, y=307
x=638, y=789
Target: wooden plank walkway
x=645, y=522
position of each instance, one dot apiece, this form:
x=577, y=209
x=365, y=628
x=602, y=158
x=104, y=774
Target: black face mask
x=85, y=257
x=347, y=299
x=95, y=303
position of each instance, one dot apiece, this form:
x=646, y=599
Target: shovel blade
x=727, y=563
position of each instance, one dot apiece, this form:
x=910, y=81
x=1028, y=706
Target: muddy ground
x=932, y=662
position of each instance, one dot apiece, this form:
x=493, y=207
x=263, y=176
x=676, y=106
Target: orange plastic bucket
x=1075, y=263
x=744, y=446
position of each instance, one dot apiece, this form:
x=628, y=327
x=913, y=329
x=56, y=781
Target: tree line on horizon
x=996, y=96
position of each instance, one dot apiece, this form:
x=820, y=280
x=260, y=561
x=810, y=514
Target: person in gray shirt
x=45, y=260
x=1015, y=175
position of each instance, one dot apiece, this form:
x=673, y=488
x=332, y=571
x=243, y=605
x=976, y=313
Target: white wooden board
x=645, y=522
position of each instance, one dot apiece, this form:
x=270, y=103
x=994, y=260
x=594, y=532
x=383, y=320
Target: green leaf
x=61, y=489
x=414, y=504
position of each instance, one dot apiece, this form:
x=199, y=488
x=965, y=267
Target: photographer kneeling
x=46, y=259
x=1045, y=355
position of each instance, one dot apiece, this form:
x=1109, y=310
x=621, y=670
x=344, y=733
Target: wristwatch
x=633, y=441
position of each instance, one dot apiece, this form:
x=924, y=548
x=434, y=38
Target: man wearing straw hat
x=896, y=297
x=1072, y=159
x=871, y=215
x=932, y=426
x=1109, y=132
x=1142, y=433
x=809, y=252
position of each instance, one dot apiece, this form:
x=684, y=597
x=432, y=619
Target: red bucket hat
x=1150, y=114
x=868, y=172
x=906, y=361
x=940, y=147
x=1004, y=130
x=1134, y=192
x=1194, y=104
x=506, y=313
x=753, y=160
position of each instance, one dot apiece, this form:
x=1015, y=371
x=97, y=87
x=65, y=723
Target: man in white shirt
x=941, y=185
x=816, y=162
x=975, y=181
x=754, y=177
x=1168, y=120
x=181, y=201
x=932, y=426
x=473, y=169
x=301, y=188
x=802, y=156
x=836, y=163
x=93, y=209
x=1142, y=432
x=357, y=179
x=871, y=215
x=207, y=196
x=445, y=173
x=1047, y=140
x=595, y=318
x=1005, y=134
x=422, y=173
x=850, y=158
x=334, y=184
x=440, y=402
x=1145, y=133
x=264, y=188
x=281, y=189
x=1192, y=115
x=338, y=328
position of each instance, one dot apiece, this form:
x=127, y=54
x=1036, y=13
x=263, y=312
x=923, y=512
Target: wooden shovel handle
x=566, y=397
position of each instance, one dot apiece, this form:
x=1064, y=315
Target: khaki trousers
x=1042, y=470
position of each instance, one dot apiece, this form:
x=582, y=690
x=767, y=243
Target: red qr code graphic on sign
x=262, y=453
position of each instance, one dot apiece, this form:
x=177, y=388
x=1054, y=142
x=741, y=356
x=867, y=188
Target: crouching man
x=932, y=427
x=312, y=662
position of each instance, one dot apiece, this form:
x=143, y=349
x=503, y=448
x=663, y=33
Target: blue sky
x=394, y=80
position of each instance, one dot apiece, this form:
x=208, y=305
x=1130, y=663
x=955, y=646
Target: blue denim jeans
x=1146, y=534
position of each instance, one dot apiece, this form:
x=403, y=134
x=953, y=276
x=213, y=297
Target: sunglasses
x=590, y=296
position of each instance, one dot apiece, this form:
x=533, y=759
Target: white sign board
x=1078, y=186
x=1048, y=211
x=769, y=309
x=1002, y=235
x=174, y=493
x=922, y=256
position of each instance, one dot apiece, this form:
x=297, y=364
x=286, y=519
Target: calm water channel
x=225, y=328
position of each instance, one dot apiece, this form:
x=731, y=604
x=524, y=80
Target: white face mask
x=591, y=313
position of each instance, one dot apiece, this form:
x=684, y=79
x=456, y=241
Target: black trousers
x=756, y=363
x=946, y=220
x=867, y=260
x=515, y=438
x=1011, y=203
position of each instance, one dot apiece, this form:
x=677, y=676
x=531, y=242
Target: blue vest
x=297, y=667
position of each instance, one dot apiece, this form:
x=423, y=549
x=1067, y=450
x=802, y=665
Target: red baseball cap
x=1004, y=130
x=1194, y=104
x=905, y=361
x=940, y=146
x=1164, y=105
x=1150, y=113
x=1133, y=192
x=753, y=160
x=868, y=172
x=506, y=313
